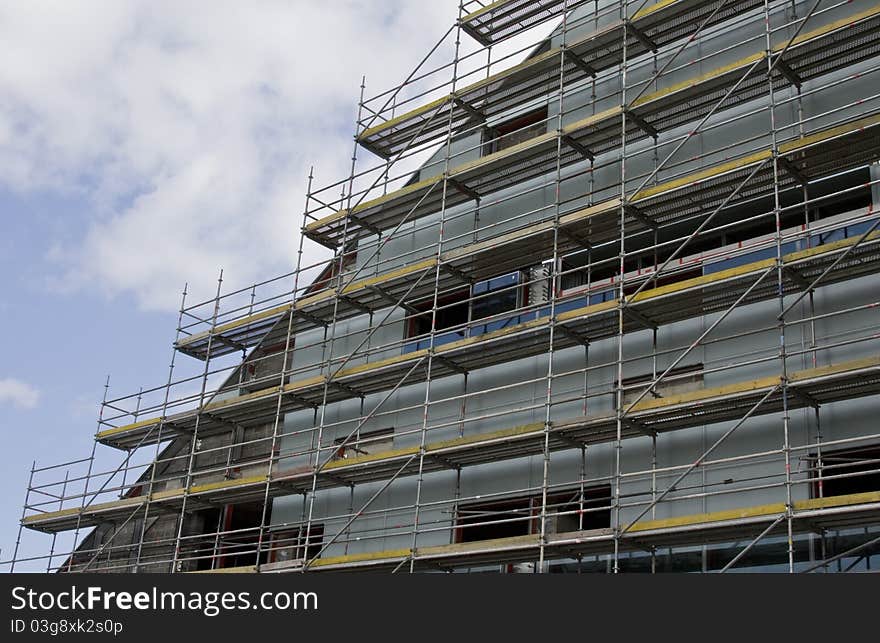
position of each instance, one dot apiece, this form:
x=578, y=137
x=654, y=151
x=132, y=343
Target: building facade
x=602, y=300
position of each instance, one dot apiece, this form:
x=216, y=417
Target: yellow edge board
x=128, y=427
x=497, y=241
x=655, y=292
x=802, y=505
x=647, y=11
x=494, y=157
x=682, y=521
x=366, y=283
x=834, y=26
x=382, y=363
x=238, y=399
x=744, y=62
x=54, y=515
x=324, y=221
x=490, y=80
x=494, y=78
x=247, y=569
x=568, y=315
x=265, y=392
x=827, y=247
x=500, y=543
x=244, y=321
x=752, y=385
x=437, y=446
x=674, y=184
x=738, y=271
x=821, y=371
x=721, y=275
x=602, y=207
x=485, y=437
x=544, y=226
x=371, y=457
x=693, y=396
x=703, y=175
x=801, y=39
x=759, y=511
x=409, y=189
x=692, y=82
x=361, y=558
x=479, y=339
x=850, y=127
x=158, y=496
x=431, y=181
x=223, y=484
x=427, y=107
x=707, y=394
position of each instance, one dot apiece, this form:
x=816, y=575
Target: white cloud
x=18, y=393
x=189, y=127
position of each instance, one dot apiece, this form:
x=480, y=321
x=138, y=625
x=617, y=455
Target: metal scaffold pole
x=165, y=401
x=328, y=359
x=194, y=442
x=441, y=231
x=555, y=286
x=274, y=457
x=621, y=296
x=85, y=493
x=54, y=536
x=23, y=514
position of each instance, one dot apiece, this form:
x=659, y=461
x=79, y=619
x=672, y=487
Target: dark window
x=566, y=512
x=200, y=531
x=487, y=521
x=840, y=201
x=602, y=271
x=495, y=296
x=516, y=130
x=575, y=273
x=846, y=471
x=241, y=533
x=569, y=511
x=452, y=312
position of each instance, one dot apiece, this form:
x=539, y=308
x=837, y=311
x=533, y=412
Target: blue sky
x=144, y=145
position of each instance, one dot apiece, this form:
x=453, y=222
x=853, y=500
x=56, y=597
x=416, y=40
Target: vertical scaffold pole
x=439, y=260
x=24, y=509
x=88, y=478
x=285, y=368
x=328, y=360
x=55, y=534
x=176, y=562
x=621, y=299
x=165, y=401
x=780, y=284
x=554, y=287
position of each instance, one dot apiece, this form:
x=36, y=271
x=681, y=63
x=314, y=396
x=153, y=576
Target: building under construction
x=601, y=295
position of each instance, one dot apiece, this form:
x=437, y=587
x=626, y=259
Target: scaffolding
x=592, y=229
